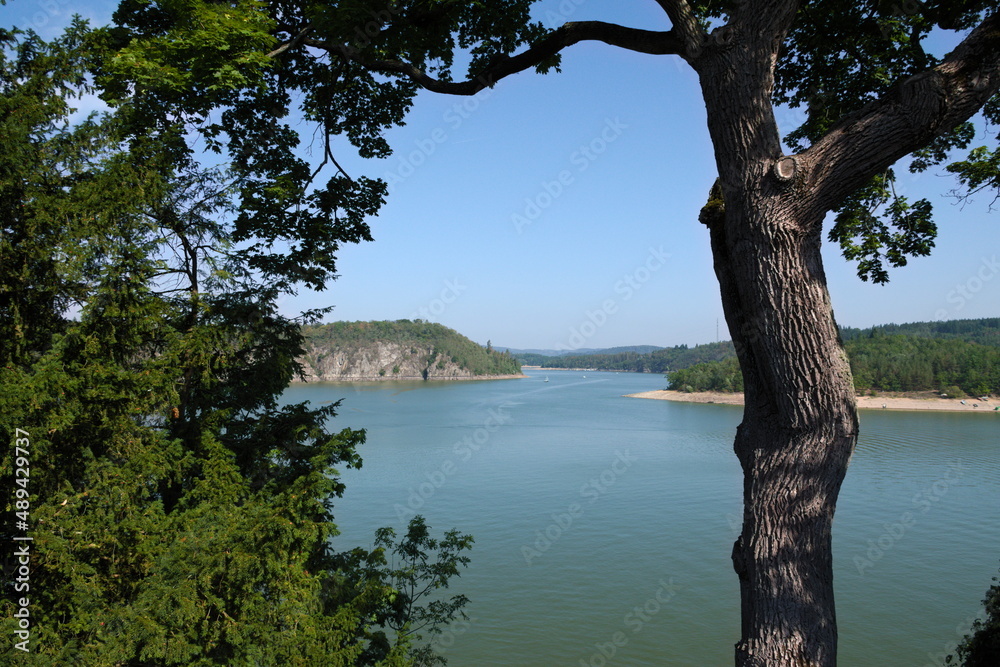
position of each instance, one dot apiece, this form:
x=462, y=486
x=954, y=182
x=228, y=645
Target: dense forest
x=166, y=505
x=661, y=360
x=722, y=375
x=955, y=358
x=439, y=339
x=985, y=331
x=953, y=366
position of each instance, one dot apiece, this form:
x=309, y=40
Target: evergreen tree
x=180, y=514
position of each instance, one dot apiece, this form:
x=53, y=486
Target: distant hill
x=637, y=359
x=984, y=331
x=641, y=349
x=400, y=350
x=960, y=357
x=956, y=357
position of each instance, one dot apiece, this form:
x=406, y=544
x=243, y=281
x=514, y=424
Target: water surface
x=604, y=524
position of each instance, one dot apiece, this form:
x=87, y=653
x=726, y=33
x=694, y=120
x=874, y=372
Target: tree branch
x=292, y=43
x=634, y=39
x=686, y=25
x=906, y=118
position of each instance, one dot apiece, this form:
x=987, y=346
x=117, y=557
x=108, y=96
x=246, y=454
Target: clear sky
x=560, y=211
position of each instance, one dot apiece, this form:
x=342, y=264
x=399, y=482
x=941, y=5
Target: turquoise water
x=604, y=524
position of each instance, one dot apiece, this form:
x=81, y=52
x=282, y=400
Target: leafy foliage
x=980, y=171
x=35, y=285
x=840, y=56
x=414, y=575
x=985, y=331
x=181, y=514
x=214, y=67
x=982, y=647
x=873, y=239
x=905, y=363
x=722, y=376
x=260, y=58
x=252, y=61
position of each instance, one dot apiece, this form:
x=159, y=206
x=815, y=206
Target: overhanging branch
x=634, y=39
x=906, y=118
x=292, y=43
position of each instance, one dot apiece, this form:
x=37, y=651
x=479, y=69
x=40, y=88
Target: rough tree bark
x=798, y=432
x=765, y=219
x=797, y=436
x=800, y=422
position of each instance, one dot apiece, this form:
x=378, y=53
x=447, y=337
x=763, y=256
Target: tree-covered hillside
x=439, y=341
x=912, y=363
x=957, y=358
x=662, y=360
x=985, y=331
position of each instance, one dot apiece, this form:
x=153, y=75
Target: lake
x=604, y=524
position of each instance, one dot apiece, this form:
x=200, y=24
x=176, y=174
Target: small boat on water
x=546, y=378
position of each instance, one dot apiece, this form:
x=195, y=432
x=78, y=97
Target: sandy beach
x=864, y=402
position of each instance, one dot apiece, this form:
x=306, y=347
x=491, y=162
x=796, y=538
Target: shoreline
x=904, y=403
x=359, y=379
x=586, y=370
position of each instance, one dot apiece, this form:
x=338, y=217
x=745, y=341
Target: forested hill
x=958, y=358
x=398, y=350
x=985, y=331
x=661, y=360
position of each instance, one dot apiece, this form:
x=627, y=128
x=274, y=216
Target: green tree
x=873, y=95
x=180, y=514
x=415, y=574
x=982, y=647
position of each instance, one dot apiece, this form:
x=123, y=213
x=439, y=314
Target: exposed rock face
x=380, y=361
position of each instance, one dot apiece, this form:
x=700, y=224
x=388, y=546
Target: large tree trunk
x=798, y=431
x=800, y=421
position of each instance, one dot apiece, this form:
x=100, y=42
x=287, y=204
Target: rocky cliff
x=380, y=361
x=403, y=350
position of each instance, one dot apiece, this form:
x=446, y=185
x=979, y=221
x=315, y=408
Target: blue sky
x=560, y=211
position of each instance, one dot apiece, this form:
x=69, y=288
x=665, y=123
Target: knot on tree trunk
x=739, y=559
x=786, y=168
x=713, y=212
